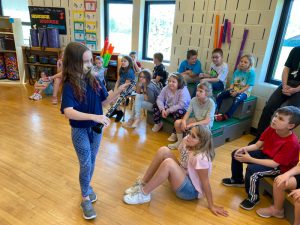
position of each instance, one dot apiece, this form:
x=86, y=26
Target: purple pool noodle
x=43, y=37
x=224, y=31
x=34, y=37
x=229, y=32
x=53, y=37
x=246, y=31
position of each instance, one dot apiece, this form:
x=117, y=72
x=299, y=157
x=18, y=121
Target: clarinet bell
x=98, y=128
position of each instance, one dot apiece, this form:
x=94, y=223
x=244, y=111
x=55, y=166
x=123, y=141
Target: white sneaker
x=32, y=96
x=157, y=127
x=135, y=187
x=173, y=137
x=37, y=97
x=137, y=198
x=174, y=145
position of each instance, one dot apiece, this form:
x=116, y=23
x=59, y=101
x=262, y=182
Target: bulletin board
x=85, y=24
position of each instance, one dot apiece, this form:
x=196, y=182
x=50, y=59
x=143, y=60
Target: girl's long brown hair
x=130, y=65
x=205, y=142
x=73, y=70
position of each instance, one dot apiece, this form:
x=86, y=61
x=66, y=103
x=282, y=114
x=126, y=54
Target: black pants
x=277, y=100
x=254, y=173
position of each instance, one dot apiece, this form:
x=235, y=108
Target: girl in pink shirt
x=189, y=176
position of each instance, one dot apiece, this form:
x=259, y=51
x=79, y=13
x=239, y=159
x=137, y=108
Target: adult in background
x=288, y=93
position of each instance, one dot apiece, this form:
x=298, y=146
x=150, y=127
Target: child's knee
x=168, y=163
x=164, y=151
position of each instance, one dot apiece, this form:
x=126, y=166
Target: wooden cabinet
x=11, y=58
x=38, y=59
x=113, y=66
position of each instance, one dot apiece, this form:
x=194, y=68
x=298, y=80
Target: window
x=159, y=19
x=287, y=37
x=118, y=24
x=18, y=9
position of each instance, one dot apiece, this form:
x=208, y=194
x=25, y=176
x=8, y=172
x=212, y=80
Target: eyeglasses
x=142, y=77
x=215, y=57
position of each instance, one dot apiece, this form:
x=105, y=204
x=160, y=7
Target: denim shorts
x=187, y=190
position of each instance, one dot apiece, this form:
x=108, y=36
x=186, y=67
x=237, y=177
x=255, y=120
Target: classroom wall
x=194, y=25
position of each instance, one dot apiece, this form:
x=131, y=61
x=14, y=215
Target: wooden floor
x=39, y=172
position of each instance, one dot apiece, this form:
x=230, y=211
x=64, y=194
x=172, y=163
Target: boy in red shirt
x=275, y=152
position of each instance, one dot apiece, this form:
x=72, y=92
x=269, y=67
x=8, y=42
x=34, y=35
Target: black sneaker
x=119, y=116
x=248, y=205
x=232, y=183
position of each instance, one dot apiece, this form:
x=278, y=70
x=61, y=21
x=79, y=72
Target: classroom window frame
x=282, y=26
x=146, y=25
x=106, y=12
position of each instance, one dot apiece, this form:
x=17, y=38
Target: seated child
x=188, y=176
x=276, y=152
x=240, y=88
x=218, y=71
x=137, y=66
x=57, y=78
x=126, y=76
x=160, y=75
x=200, y=112
x=191, y=67
x=40, y=86
x=99, y=70
x=174, y=99
x=146, y=95
x=290, y=180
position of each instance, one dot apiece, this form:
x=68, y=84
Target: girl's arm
x=113, y=95
x=204, y=179
x=211, y=79
x=73, y=114
x=116, y=85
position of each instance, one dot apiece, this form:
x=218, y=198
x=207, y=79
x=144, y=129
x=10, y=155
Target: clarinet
x=98, y=127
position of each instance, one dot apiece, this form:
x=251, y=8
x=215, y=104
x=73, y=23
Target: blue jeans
x=254, y=173
x=187, y=191
x=217, y=86
x=237, y=100
x=86, y=143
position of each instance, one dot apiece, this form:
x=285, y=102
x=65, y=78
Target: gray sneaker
x=93, y=197
x=88, y=210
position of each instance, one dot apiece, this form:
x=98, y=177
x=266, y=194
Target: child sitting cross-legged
x=41, y=85
x=188, y=176
x=276, y=152
x=287, y=181
x=200, y=112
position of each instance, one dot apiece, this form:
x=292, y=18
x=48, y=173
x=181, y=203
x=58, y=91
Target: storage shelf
x=41, y=49
x=7, y=81
x=7, y=51
x=3, y=32
x=40, y=64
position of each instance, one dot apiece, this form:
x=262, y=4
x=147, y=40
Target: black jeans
x=254, y=173
x=277, y=100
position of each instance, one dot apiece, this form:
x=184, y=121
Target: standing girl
x=174, y=100
x=240, y=87
x=200, y=112
x=146, y=95
x=82, y=100
x=126, y=76
x=189, y=177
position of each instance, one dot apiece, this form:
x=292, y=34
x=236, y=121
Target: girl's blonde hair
x=251, y=59
x=206, y=86
x=205, y=142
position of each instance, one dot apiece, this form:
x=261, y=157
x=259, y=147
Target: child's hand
x=183, y=125
x=240, y=151
x=295, y=194
x=101, y=119
x=233, y=93
x=284, y=178
x=217, y=210
x=243, y=157
x=164, y=114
